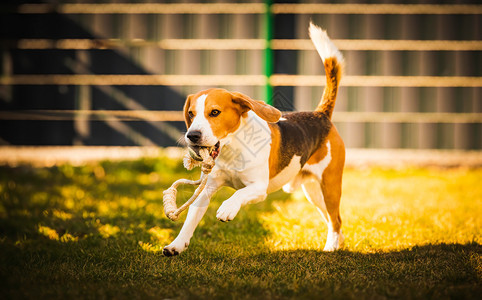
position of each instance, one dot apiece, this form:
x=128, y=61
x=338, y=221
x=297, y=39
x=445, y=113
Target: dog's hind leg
x=316, y=194
x=294, y=184
x=312, y=189
x=331, y=188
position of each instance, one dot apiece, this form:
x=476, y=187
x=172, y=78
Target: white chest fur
x=244, y=156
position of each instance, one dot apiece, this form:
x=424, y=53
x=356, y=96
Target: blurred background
x=116, y=73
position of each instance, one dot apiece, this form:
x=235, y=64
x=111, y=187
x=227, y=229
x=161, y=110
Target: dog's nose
x=194, y=136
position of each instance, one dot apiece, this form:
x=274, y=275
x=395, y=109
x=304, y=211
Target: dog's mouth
x=213, y=151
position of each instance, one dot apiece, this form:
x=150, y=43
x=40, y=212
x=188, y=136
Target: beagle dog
x=258, y=151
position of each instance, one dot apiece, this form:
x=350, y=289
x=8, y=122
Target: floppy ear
x=263, y=110
x=187, y=104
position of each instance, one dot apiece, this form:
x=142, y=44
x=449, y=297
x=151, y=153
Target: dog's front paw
x=174, y=249
x=228, y=210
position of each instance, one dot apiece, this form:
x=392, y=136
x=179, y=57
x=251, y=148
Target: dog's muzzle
x=194, y=151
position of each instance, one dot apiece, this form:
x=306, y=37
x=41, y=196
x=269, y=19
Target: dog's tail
x=333, y=62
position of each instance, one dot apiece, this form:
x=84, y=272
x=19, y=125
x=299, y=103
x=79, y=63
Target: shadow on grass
x=68, y=200
x=97, y=231
x=430, y=271
x=106, y=200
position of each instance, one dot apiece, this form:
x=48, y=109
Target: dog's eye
x=191, y=115
x=214, y=113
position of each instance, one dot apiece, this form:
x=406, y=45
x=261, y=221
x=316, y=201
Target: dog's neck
x=246, y=147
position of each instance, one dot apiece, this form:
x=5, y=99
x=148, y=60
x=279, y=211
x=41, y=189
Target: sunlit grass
x=97, y=231
x=384, y=210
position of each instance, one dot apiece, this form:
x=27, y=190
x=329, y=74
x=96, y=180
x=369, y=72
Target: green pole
x=268, y=53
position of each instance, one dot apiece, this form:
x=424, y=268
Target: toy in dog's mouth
x=194, y=151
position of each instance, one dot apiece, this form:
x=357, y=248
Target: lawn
x=97, y=231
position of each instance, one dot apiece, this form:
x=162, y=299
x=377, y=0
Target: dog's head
x=212, y=114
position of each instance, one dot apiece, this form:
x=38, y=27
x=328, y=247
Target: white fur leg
x=334, y=240
x=181, y=242
x=311, y=188
x=228, y=210
x=194, y=216
x=250, y=194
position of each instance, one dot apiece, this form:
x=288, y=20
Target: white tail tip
x=323, y=44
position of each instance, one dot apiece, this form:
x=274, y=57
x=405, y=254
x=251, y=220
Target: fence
x=412, y=78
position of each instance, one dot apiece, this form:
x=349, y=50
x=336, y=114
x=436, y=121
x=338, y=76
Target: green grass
x=97, y=231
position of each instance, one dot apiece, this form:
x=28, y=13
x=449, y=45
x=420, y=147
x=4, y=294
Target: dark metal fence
x=105, y=74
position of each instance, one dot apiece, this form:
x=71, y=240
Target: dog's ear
x=263, y=110
x=187, y=104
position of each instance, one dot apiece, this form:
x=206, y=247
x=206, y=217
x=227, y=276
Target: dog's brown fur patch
x=301, y=134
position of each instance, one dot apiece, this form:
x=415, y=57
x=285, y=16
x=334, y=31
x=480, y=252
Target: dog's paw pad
x=169, y=252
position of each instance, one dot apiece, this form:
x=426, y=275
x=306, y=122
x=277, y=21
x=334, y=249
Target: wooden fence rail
x=167, y=116
x=244, y=8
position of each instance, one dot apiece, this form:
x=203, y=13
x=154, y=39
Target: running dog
x=257, y=151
